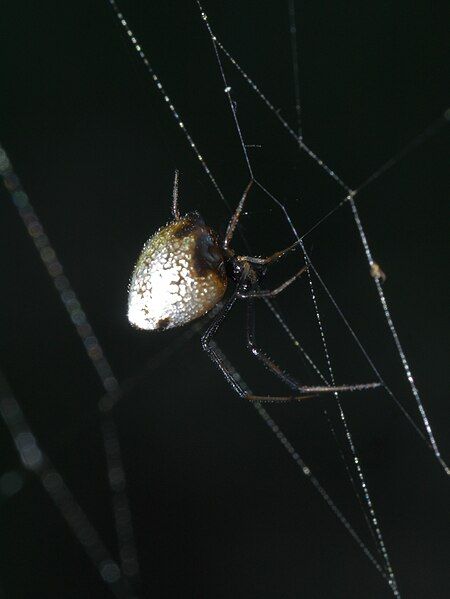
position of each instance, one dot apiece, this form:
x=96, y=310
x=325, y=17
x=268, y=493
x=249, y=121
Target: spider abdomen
x=179, y=276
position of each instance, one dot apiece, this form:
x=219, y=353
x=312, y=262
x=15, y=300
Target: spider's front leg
x=272, y=292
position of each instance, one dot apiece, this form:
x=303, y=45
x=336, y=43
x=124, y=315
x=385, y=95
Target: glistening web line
x=356, y=338
x=373, y=518
x=34, y=459
x=398, y=344
x=116, y=472
x=350, y=195
x=305, y=469
x=432, y=129
x=373, y=521
x=159, y=86
x=227, y=90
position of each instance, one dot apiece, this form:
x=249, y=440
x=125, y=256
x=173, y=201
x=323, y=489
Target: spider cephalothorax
x=183, y=272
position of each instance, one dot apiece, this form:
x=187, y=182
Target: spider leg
x=269, y=259
x=175, y=210
x=272, y=292
x=278, y=398
x=315, y=390
x=235, y=218
x=260, y=355
x=212, y=329
x=310, y=391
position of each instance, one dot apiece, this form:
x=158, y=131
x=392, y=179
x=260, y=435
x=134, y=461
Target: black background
x=219, y=508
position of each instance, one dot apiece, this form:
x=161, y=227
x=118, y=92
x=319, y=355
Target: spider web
x=117, y=577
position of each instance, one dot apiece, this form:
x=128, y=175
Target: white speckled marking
x=165, y=289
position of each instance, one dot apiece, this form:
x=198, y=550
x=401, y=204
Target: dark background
x=218, y=507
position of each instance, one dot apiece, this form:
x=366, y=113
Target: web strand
x=108, y=426
x=396, y=338
x=373, y=518
x=34, y=459
x=350, y=195
x=283, y=324
x=139, y=50
x=411, y=146
x=228, y=90
x=116, y=473
x=281, y=120
x=305, y=469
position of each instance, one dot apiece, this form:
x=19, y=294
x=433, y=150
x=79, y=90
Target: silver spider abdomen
x=179, y=276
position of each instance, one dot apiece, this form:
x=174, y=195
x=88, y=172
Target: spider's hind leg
x=260, y=355
x=304, y=392
x=212, y=330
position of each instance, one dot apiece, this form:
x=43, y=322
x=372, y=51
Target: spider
x=183, y=272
